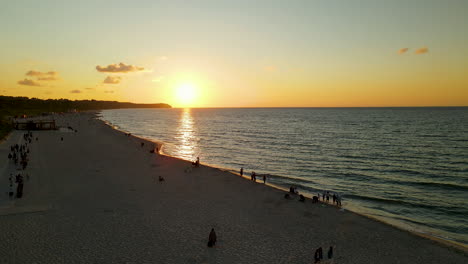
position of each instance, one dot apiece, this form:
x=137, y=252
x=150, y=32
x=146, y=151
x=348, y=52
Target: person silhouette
x=330, y=252
x=212, y=238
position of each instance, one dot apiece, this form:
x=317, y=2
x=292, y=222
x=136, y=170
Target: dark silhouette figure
x=293, y=190
x=318, y=255
x=330, y=252
x=196, y=163
x=301, y=198
x=334, y=198
x=61, y=139
x=161, y=179
x=315, y=199
x=142, y=144
x=241, y=171
x=212, y=238
x=19, y=188
x=264, y=178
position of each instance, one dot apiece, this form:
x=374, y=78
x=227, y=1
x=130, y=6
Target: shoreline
x=94, y=196
x=445, y=242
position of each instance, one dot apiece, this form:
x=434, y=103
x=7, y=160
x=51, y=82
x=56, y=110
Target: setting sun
x=186, y=94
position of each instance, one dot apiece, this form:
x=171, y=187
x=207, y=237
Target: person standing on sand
x=264, y=178
x=241, y=171
x=318, y=255
x=330, y=253
x=212, y=238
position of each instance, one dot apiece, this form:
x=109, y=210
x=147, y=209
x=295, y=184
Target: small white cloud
x=112, y=79
x=121, y=68
x=403, y=50
x=422, y=50
x=28, y=82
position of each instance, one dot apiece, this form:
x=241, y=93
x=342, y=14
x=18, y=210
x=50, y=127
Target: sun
x=186, y=94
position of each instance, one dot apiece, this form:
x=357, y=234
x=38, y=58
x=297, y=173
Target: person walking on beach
x=264, y=178
x=212, y=238
x=241, y=171
x=334, y=198
x=318, y=255
x=330, y=253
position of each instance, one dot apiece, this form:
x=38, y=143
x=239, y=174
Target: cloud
x=109, y=91
x=403, y=50
x=121, y=67
x=75, y=91
x=422, y=50
x=90, y=88
x=112, y=79
x=29, y=82
x=43, y=76
x=49, y=78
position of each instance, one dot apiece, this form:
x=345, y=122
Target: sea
x=404, y=166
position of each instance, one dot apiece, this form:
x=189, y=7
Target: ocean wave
x=447, y=209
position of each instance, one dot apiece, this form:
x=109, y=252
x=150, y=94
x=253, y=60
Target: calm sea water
x=405, y=166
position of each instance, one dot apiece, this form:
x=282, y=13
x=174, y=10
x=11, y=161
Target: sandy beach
x=95, y=197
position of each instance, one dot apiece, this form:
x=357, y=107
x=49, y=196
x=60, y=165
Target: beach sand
x=95, y=198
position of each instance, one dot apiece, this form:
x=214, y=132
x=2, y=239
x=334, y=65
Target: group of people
x=253, y=175
x=326, y=197
x=19, y=180
x=318, y=256
x=19, y=156
x=19, y=152
x=196, y=163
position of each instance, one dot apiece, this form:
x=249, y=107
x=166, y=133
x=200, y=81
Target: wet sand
x=95, y=198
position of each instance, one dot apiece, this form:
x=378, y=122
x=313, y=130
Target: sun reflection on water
x=186, y=136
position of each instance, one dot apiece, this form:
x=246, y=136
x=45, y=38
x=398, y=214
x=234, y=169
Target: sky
x=238, y=53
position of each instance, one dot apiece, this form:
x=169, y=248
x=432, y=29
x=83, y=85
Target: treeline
x=17, y=106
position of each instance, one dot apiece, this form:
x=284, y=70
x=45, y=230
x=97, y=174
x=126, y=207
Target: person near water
x=301, y=198
x=242, y=171
x=264, y=178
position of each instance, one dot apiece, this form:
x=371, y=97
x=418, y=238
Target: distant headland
x=11, y=106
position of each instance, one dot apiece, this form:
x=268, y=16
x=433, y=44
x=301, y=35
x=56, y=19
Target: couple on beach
x=318, y=256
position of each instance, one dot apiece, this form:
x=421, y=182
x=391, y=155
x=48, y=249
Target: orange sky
x=237, y=53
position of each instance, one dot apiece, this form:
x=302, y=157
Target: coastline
x=445, y=242
x=100, y=201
